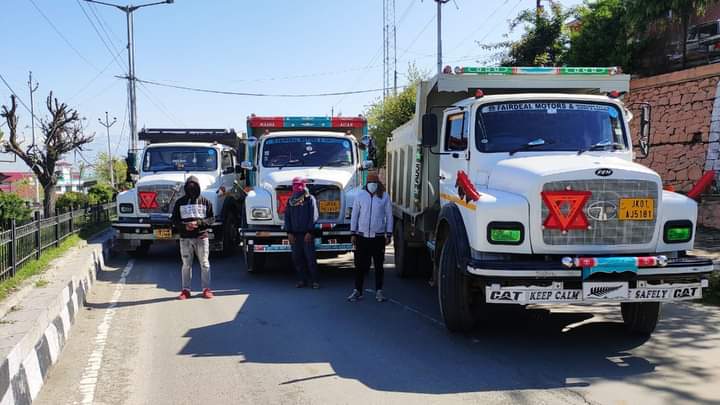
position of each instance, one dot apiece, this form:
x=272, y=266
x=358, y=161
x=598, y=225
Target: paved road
x=262, y=341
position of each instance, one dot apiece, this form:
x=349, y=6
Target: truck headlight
x=261, y=213
x=678, y=231
x=505, y=233
x=126, y=208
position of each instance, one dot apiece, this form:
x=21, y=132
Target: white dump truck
x=169, y=158
x=519, y=184
x=329, y=153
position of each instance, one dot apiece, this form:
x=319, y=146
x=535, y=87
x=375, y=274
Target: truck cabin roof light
x=479, y=93
x=615, y=94
x=541, y=70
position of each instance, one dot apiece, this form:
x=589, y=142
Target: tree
x=70, y=200
x=642, y=11
x=544, y=43
x=102, y=170
x=61, y=133
x=13, y=207
x=389, y=113
x=101, y=193
x=603, y=38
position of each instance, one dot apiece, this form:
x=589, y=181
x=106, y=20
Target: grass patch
x=34, y=267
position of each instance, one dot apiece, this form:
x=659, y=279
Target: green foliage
x=70, y=200
x=544, y=42
x=100, y=193
x=385, y=115
x=102, y=170
x=603, y=38
x=12, y=206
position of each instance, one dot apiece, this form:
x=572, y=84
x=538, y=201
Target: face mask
x=192, y=190
x=372, y=187
x=298, y=188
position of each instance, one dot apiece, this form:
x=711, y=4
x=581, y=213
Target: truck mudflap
x=594, y=292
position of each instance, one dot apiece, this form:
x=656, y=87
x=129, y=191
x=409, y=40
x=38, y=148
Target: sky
x=269, y=47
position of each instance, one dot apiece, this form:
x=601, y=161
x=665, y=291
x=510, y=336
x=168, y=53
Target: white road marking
x=88, y=381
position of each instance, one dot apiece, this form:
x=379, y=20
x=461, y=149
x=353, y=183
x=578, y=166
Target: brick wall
x=682, y=130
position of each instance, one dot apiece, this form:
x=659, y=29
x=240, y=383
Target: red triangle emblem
x=148, y=199
x=574, y=218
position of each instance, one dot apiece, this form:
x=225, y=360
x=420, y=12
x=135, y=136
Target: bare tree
x=61, y=133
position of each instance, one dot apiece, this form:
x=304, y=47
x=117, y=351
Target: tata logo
x=603, y=172
x=602, y=211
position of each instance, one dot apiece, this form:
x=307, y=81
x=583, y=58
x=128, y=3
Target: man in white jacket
x=371, y=224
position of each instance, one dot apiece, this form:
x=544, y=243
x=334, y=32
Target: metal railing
x=20, y=243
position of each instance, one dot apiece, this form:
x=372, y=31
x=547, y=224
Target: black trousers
x=303, y=255
x=367, y=249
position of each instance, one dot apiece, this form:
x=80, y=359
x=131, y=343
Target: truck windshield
x=180, y=158
x=562, y=126
x=296, y=151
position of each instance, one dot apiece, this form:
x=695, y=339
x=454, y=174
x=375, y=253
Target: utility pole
x=107, y=124
x=439, y=34
x=389, y=48
x=33, y=89
x=129, y=10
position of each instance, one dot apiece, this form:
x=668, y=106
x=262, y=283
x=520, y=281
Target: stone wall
x=685, y=127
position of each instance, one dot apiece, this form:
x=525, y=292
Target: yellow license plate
x=330, y=206
x=637, y=209
x=163, y=233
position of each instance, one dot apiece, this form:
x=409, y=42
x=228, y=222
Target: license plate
x=637, y=209
x=596, y=291
x=163, y=233
x=330, y=206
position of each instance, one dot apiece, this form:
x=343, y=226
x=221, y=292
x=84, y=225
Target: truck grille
x=326, y=196
x=165, y=196
x=611, y=231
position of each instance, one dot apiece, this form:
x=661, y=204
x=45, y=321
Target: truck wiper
x=532, y=144
x=602, y=146
x=334, y=163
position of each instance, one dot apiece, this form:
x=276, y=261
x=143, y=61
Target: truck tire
x=254, y=263
x=230, y=235
x=406, y=258
x=454, y=293
x=640, y=318
x=140, y=251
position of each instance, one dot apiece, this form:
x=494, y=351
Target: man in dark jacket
x=192, y=217
x=301, y=213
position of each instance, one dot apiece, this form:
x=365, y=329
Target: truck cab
x=169, y=158
x=527, y=192
x=328, y=153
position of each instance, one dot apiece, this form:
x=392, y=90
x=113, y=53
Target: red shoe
x=185, y=294
x=207, y=293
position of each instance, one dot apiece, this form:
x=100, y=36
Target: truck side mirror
x=367, y=164
x=429, y=130
x=246, y=165
x=644, y=139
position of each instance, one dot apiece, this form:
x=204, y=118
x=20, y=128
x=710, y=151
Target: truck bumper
x=271, y=239
x=130, y=235
x=542, y=282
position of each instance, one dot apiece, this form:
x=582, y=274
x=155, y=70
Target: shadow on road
x=390, y=347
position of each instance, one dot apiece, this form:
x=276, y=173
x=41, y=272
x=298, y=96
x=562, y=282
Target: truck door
x=454, y=160
x=228, y=169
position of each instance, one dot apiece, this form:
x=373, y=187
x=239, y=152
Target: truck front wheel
x=454, y=292
x=254, y=262
x=640, y=317
x=230, y=234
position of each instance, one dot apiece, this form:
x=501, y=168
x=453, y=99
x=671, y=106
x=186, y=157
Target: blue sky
x=273, y=46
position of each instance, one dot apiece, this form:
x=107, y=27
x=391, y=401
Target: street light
x=129, y=10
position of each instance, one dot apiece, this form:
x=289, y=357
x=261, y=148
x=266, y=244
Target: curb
x=35, y=330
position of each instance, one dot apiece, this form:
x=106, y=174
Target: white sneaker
x=379, y=296
x=355, y=296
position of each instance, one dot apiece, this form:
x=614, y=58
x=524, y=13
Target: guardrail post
x=38, y=235
x=57, y=228
x=13, y=248
x=72, y=229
